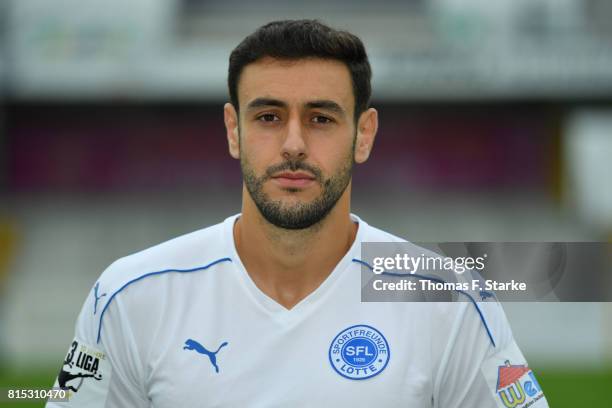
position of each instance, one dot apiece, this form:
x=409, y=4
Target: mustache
x=292, y=165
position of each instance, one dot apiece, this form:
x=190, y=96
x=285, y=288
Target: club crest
x=359, y=352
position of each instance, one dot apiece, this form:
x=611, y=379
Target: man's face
x=296, y=138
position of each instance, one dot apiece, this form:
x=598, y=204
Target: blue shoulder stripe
x=484, y=322
x=146, y=275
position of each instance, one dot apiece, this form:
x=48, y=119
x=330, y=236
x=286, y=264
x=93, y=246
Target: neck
x=288, y=265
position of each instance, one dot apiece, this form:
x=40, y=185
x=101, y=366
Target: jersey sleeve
x=482, y=365
x=102, y=367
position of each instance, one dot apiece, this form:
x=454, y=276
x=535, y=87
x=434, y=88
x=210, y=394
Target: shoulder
x=192, y=254
x=197, y=250
x=467, y=302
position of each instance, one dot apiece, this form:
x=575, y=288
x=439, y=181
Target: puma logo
x=191, y=344
x=484, y=295
x=96, y=296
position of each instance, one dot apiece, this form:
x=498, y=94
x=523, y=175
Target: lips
x=294, y=175
x=293, y=179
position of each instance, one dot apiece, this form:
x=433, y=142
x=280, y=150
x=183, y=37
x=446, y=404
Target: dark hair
x=296, y=39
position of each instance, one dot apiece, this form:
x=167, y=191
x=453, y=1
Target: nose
x=294, y=146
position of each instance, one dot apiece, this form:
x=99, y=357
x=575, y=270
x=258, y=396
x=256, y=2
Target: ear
x=367, y=126
x=230, y=117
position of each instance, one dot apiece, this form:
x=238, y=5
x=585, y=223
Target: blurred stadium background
x=496, y=126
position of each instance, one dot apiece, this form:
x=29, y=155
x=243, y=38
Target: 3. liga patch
x=85, y=374
x=359, y=352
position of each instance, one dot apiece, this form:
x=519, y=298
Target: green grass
x=576, y=388
x=563, y=387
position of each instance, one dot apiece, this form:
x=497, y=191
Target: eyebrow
x=324, y=104
x=264, y=102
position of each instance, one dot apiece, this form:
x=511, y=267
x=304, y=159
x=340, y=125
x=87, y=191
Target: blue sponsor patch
x=359, y=352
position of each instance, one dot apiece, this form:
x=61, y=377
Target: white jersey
x=182, y=325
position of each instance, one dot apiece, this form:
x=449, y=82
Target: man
x=264, y=310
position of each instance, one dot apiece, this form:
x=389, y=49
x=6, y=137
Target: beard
x=301, y=215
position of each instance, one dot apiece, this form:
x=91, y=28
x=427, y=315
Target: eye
x=322, y=120
x=268, y=117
